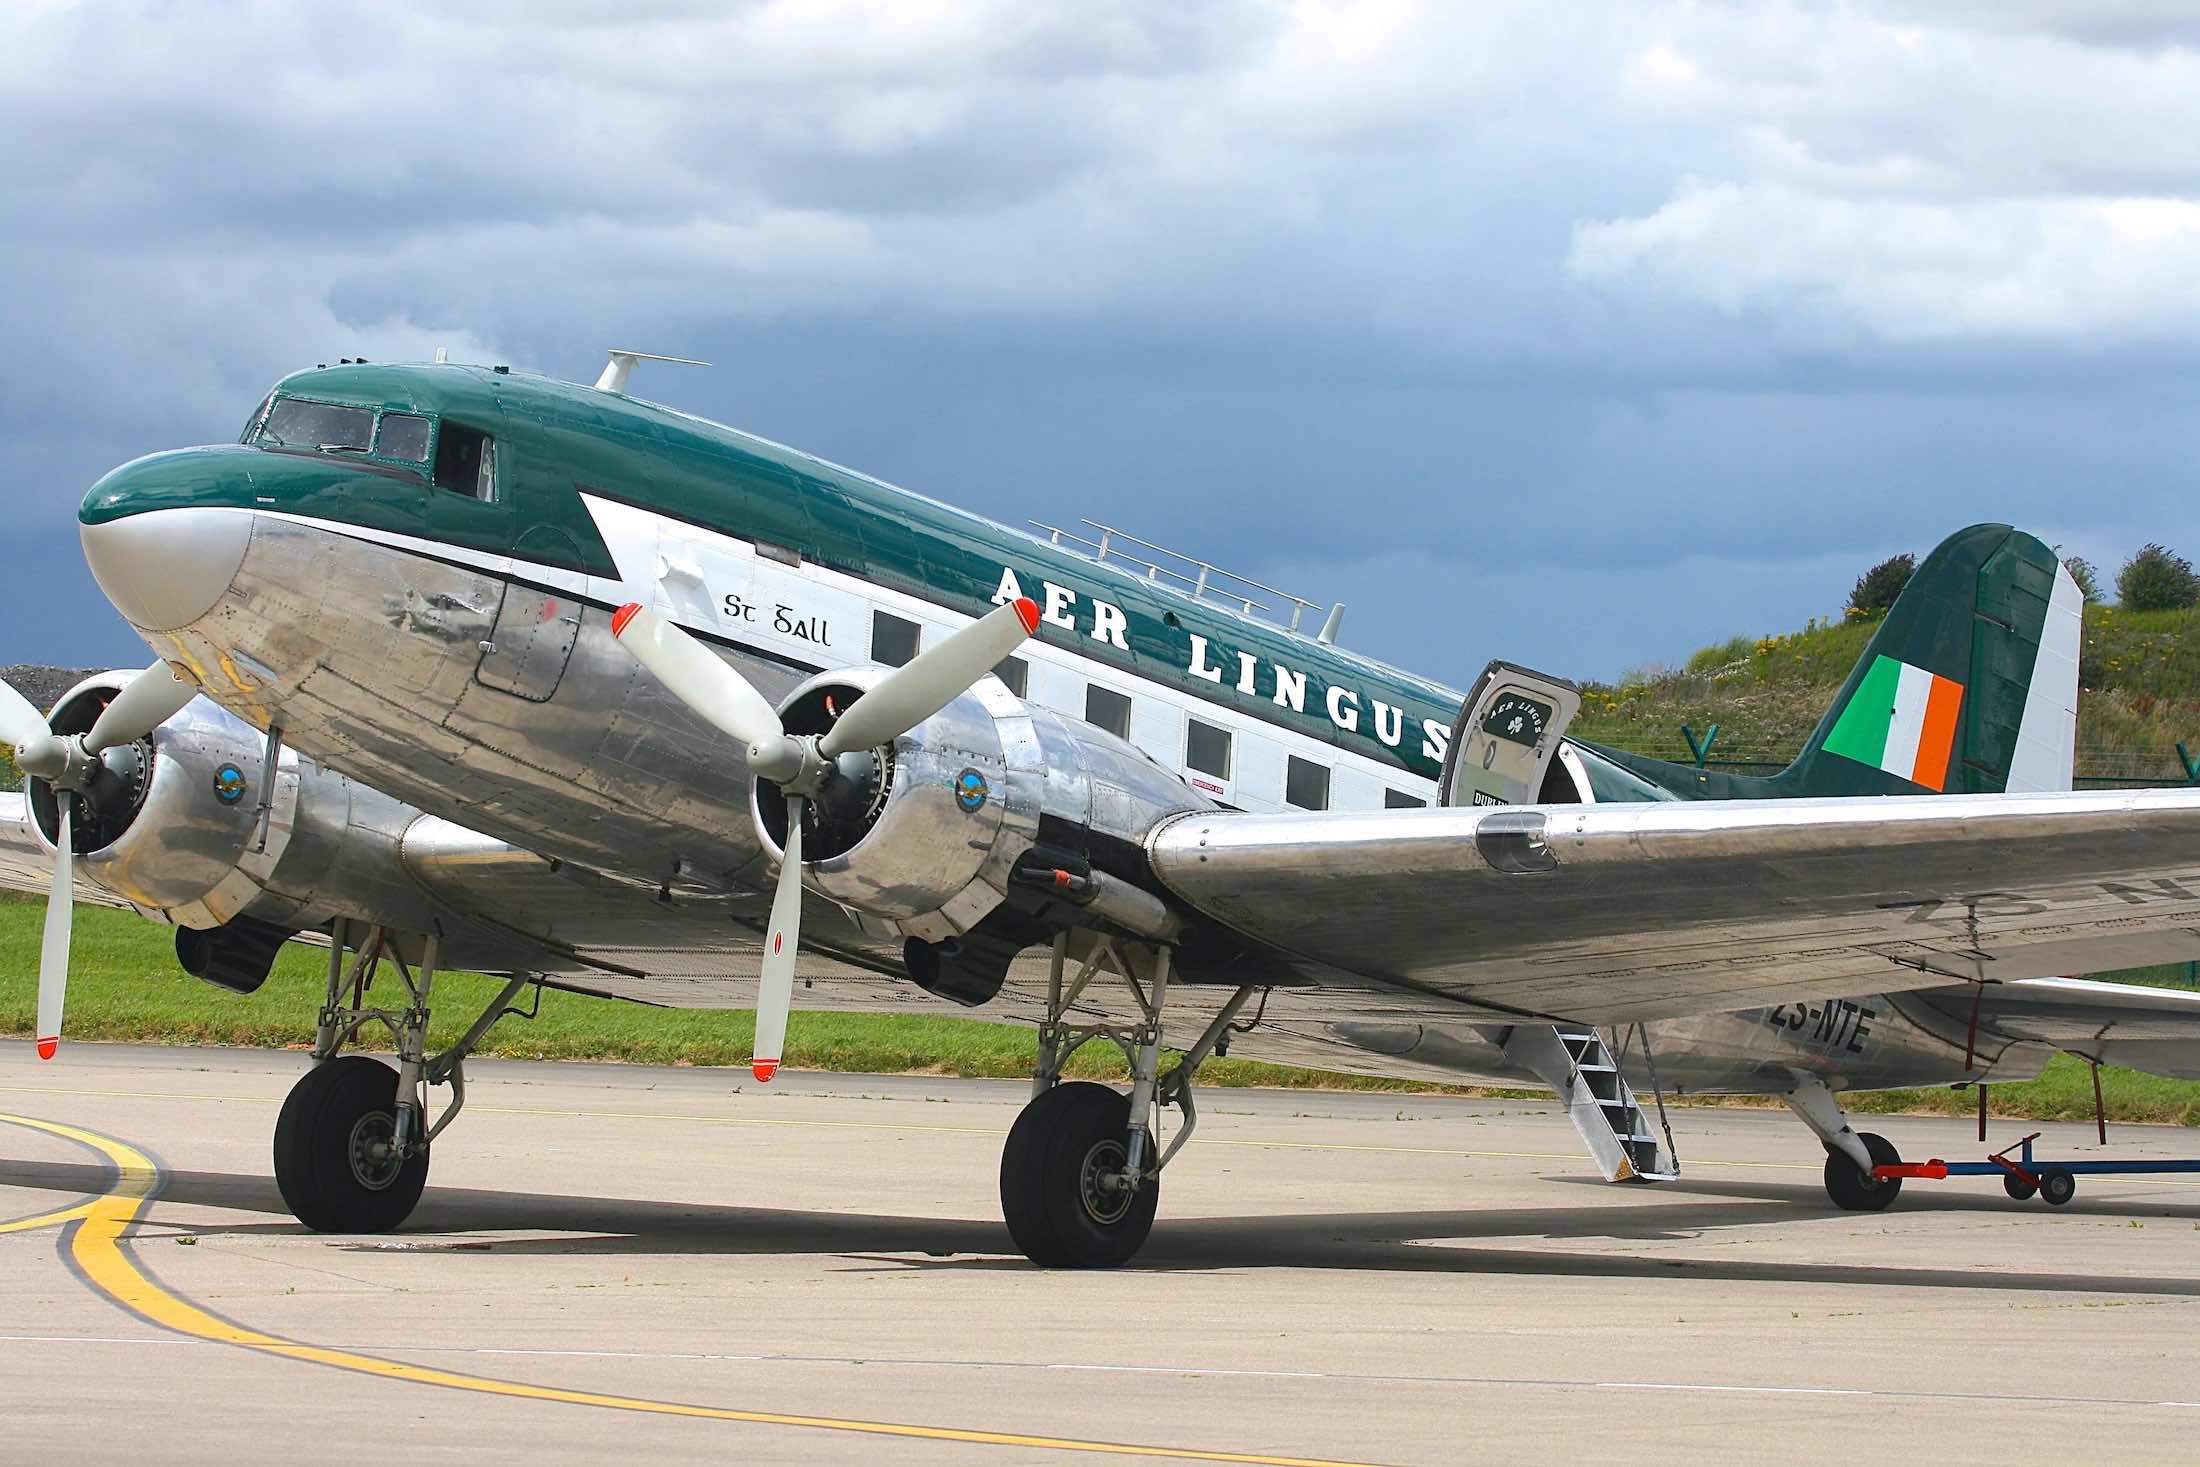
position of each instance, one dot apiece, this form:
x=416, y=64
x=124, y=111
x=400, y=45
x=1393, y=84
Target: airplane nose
x=165, y=568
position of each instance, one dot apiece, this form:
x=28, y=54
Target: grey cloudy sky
x=1576, y=334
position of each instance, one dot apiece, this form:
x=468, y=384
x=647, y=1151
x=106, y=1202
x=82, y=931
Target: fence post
x=2192, y=765
x=1702, y=750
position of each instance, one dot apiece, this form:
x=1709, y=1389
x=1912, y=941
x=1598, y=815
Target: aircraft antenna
x=621, y=366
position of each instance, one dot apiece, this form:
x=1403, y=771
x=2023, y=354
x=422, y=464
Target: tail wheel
x=1853, y=1191
x=1055, y=1171
x=334, y=1160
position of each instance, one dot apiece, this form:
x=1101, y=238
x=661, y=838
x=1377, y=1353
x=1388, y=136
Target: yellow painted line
x=101, y=1225
x=49, y=1219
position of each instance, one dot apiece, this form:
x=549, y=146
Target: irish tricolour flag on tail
x=1902, y=720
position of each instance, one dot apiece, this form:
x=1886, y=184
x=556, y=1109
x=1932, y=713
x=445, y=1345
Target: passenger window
x=893, y=640
x=1105, y=708
x=1016, y=673
x=1306, y=784
x=402, y=435
x=1400, y=800
x=1207, y=748
x=466, y=462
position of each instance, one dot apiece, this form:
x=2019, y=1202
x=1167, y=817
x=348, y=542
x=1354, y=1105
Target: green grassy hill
x=2139, y=677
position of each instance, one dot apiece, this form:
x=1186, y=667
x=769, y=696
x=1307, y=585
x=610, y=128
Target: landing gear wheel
x=1853, y=1191
x=1054, y=1171
x=2021, y=1188
x=332, y=1149
x=2057, y=1186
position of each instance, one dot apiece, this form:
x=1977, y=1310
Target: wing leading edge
x=1614, y=913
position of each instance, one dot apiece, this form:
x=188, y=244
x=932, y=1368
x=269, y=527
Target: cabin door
x=1506, y=736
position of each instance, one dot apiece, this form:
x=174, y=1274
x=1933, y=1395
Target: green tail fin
x=1970, y=686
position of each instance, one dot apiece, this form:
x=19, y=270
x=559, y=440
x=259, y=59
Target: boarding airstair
x=1577, y=1063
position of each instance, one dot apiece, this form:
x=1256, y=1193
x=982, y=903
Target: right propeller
x=800, y=764
x=70, y=764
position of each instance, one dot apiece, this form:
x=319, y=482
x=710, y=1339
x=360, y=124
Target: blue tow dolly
x=2056, y=1182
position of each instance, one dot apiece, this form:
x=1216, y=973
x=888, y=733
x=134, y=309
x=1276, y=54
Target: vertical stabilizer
x=1970, y=685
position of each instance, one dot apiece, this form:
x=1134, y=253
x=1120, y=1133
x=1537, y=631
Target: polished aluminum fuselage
x=588, y=825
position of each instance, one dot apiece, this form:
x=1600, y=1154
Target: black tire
x=333, y=1110
x=2018, y=1187
x=1850, y=1189
x=1059, y=1145
x=2057, y=1186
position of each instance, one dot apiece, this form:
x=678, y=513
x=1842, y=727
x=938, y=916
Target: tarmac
x=669, y=1265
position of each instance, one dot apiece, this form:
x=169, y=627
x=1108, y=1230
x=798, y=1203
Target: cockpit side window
x=295, y=423
x=466, y=462
x=403, y=436
x=259, y=416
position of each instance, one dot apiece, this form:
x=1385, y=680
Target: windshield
x=300, y=424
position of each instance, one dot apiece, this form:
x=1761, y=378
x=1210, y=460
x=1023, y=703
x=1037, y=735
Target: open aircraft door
x=1505, y=737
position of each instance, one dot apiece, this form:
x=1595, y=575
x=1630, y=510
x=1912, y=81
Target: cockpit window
x=259, y=416
x=296, y=423
x=402, y=435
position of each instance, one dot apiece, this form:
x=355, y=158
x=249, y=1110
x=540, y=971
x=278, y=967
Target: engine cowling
x=171, y=824
x=925, y=835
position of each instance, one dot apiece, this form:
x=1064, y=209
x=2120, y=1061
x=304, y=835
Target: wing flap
x=1613, y=913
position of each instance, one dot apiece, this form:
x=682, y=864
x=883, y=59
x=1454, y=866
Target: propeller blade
x=782, y=938
x=145, y=703
x=23, y=727
x=20, y=723
x=53, y=950
x=933, y=679
x=699, y=679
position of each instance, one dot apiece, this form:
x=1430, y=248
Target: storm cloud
x=1577, y=335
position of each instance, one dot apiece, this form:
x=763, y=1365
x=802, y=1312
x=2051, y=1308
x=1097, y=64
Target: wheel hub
x=1102, y=1185
x=373, y=1150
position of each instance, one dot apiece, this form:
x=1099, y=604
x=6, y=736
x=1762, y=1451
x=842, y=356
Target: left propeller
x=70, y=763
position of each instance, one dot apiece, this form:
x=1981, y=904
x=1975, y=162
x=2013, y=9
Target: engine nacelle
x=171, y=825
x=924, y=835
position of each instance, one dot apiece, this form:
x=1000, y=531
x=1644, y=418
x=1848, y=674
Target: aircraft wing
x=1613, y=913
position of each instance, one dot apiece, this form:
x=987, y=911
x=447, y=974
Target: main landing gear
x=1850, y=1154
x=351, y=1141
x=1081, y=1173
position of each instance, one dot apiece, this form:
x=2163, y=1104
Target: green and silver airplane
x=460, y=666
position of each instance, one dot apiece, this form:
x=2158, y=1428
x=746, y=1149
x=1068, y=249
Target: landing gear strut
x=351, y=1141
x=1850, y=1154
x=1081, y=1174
